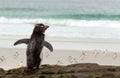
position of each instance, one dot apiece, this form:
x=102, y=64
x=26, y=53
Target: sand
x=66, y=51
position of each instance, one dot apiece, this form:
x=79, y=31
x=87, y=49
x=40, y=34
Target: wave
x=85, y=16
x=62, y=22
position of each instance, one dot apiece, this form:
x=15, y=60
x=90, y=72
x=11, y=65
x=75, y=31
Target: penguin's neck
x=40, y=34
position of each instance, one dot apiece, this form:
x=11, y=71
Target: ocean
x=66, y=18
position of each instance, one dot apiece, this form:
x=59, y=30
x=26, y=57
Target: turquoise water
x=79, y=18
x=61, y=9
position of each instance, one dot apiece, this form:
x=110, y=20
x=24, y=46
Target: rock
x=85, y=70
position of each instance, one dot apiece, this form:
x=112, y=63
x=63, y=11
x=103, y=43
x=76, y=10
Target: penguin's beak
x=45, y=27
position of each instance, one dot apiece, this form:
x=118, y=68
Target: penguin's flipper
x=26, y=41
x=48, y=45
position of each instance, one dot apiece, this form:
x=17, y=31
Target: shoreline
x=64, y=43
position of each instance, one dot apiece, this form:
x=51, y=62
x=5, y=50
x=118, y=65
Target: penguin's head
x=40, y=28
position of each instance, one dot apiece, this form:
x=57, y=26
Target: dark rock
x=85, y=70
x=42, y=77
x=2, y=71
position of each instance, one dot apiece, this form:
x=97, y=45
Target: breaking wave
x=62, y=22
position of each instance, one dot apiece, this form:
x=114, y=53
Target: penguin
x=35, y=45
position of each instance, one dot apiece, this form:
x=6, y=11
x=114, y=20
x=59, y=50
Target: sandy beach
x=66, y=51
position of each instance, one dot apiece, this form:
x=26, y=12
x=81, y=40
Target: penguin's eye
x=42, y=26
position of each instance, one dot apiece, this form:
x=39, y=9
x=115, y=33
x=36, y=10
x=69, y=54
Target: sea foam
x=62, y=27
x=63, y=22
